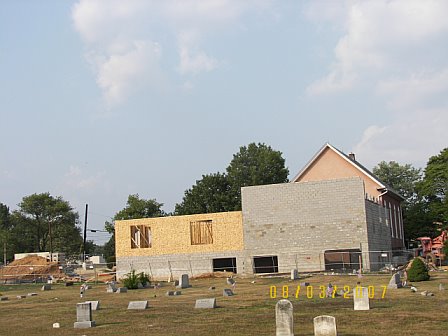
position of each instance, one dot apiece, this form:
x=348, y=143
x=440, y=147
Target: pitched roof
x=356, y=164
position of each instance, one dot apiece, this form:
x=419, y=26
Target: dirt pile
x=29, y=268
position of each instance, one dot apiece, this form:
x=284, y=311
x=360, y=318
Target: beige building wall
x=171, y=235
x=331, y=166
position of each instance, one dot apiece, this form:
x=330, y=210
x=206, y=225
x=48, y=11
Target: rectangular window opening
x=224, y=265
x=140, y=236
x=201, y=232
x=266, y=264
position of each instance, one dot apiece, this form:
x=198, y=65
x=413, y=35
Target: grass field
x=250, y=312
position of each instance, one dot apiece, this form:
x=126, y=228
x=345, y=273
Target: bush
x=418, y=271
x=131, y=280
x=143, y=278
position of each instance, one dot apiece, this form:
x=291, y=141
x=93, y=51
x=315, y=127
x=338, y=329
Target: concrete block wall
x=304, y=219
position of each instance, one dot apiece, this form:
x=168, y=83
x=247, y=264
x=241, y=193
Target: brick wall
x=299, y=221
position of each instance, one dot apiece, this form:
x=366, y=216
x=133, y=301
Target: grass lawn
x=250, y=312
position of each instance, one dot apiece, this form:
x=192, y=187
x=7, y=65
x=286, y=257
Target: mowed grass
x=250, y=312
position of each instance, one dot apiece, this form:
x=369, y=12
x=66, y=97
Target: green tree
x=434, y=186
x=418, y=271
x=209, y=194
x=256, y=164
x=43, y=220
x=5, y=228
x=136, y=207
x=402, y=178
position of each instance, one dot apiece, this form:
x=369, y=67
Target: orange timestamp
x=322, y=292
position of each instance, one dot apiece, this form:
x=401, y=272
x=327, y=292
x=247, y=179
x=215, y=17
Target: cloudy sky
x=100, y=99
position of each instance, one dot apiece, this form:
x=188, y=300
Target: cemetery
x=371, y=304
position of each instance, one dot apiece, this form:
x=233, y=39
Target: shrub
x=418, y=271
x=144, y=279
x=131, y=280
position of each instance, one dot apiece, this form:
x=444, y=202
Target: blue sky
x=102, y=99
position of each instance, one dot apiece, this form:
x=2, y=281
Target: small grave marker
x=284, y=318
x=122, y=290
x=183, y=281
x=325, y=325
x=227, y=292
x=361, y=298
x=294, y=274
x=138, y=305
x=84, y=316
x=46, y=287
x=395, y=282
x=205, y=303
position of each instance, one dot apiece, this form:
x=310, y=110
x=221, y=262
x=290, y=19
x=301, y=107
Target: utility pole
x=85, y=235
x=4, y=253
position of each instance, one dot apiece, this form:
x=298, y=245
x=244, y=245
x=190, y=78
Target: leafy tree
x=402, y=178
x=40, y=213
x=209, y=194
x=5, y=229
x=136, y=207
x=418, y=271
x=256, y=164
x=434, y=186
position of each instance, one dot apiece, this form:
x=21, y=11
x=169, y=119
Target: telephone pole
x=85, y=235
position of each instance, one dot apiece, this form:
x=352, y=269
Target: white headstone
x=184, y=281
x=56, y=325
x=205, y=303
x=325, y=325
x=361, y=298
x=395, y=282
x=95, y=304
x=294, y=274
x=138, y=305
x=284, y=318
x=84, y=316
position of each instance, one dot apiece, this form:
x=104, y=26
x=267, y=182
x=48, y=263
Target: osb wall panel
x=171, y=235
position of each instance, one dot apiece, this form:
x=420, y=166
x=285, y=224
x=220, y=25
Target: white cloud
x=75, y=178
x=396, y=50
x=121, y=67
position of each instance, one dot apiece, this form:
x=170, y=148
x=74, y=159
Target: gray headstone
x=3, y=298
x=46, y=287
x=325, y=325
x=361, y=298
x=68, y=284
x=205, y=303
x=95, y=304
x=284, y=318
x=173, y=293
x=227, y=292
x=304, y=284
x=395, y=282
x=230, y=281
x=183, y=281
x=441, y=288
x=84, y=316
x=212, y=288
x=32, y=294
x=294, y=274
x=122, y=290
x=138, y=305
x=21, y=296
x=140, y=286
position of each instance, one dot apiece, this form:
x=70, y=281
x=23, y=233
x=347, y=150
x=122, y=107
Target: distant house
x=334, y=214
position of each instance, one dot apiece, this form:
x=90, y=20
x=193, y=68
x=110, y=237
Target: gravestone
x=173, y=293
x=395, y=282
x=294, y=274
x=283, y=318
x=56, y=325
x=441, y=288
x=21, y=296
x=84, y=316
x=205, y=303
x=212, y=288
x=138, y=305
x=32, y=294
x=122, y=290
x=3, y=298
x=46, y=287
x=68, y=284
x=111, y=288
x=361, y=298
x=325, y=325
x=183, y=281
x=95, y=304
x=304, y=284
x=227, y=292
x=230, y=281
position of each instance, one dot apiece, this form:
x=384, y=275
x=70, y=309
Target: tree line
x=42, y=216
